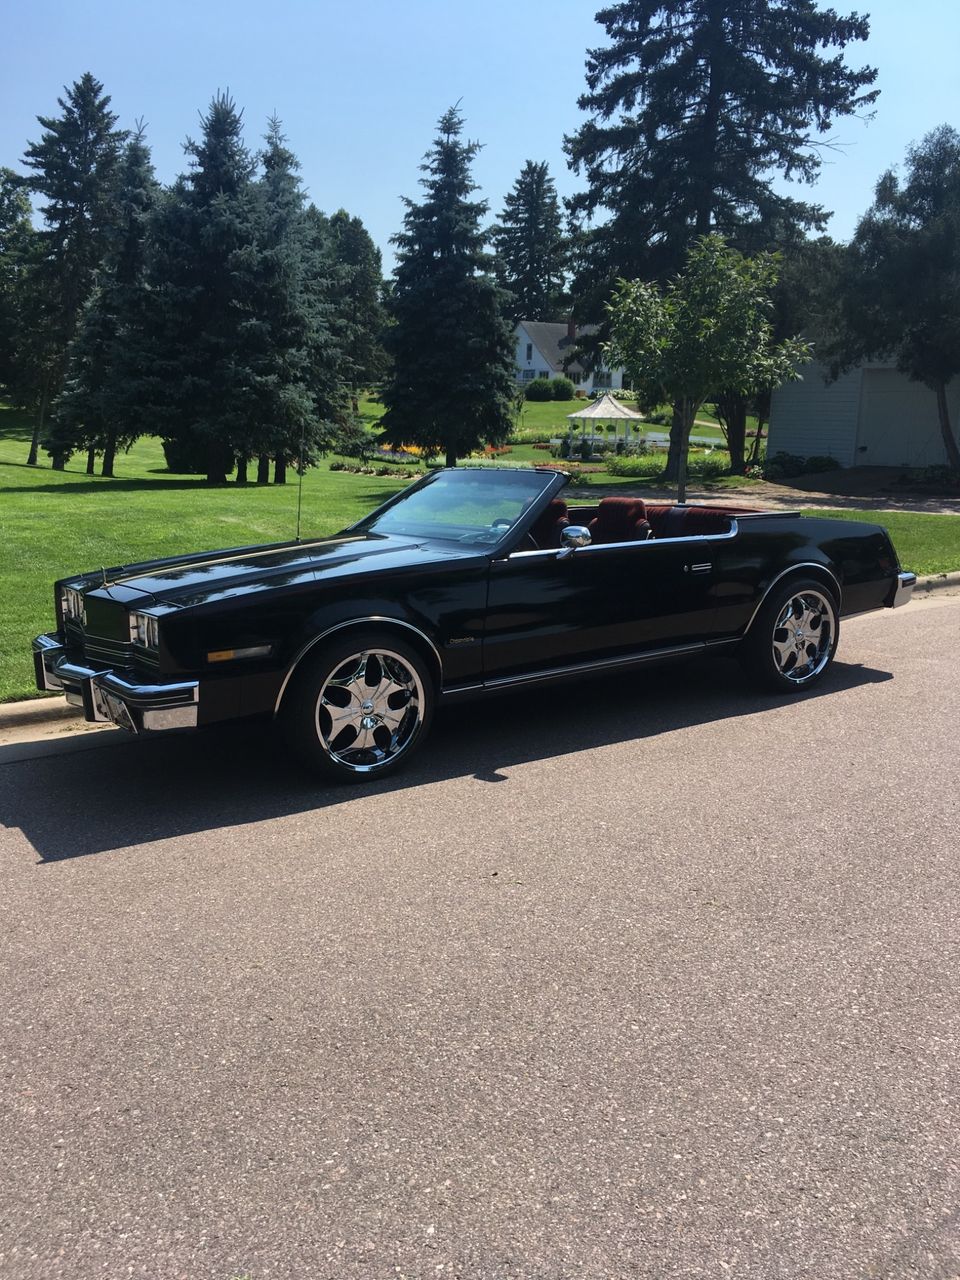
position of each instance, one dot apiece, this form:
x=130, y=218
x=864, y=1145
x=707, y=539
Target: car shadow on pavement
x=108, y=791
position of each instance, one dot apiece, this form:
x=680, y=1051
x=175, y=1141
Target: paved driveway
x=648, y=978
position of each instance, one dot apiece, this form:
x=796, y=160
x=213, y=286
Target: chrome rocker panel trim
x=107, y=697
x=597, y=666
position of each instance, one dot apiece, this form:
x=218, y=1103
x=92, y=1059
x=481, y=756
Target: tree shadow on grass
x=91, y=484
x=105, y=483
x=95, y=797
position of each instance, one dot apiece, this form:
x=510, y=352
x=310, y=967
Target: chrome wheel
x=803, y=636
x=792, y=639
x=369, y=710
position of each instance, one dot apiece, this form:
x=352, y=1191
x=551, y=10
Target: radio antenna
x=300, y=469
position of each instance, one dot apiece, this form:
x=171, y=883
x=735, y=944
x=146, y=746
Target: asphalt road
x=653, y=977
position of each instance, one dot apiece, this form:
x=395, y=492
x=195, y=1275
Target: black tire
x=793, y=638
x=359, y=707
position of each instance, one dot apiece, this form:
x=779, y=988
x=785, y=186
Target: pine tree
x=360, y=317
x=295, y=371
x=530, y=247
x=74, y=167
x=16, y=235
x=697, y=106
x=201, y=327
x=99, y=407
x=452, y=383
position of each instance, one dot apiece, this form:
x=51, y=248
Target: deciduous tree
x=900, y=289
x=709, y=328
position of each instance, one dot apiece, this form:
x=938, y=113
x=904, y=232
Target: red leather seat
x=620, y=520
x=549, y=525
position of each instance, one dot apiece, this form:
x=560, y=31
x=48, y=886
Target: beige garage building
x=871, y=416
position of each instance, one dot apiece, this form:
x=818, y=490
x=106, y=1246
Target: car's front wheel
x=359, y=707
x=793, y=637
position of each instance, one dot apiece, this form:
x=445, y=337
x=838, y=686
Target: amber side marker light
x=227, y=655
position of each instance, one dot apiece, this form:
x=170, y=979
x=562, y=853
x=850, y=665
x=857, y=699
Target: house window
x=601, y=378
x=544, y=373
x=526, y=375
x=529, y=352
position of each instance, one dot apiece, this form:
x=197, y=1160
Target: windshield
x=471, y=505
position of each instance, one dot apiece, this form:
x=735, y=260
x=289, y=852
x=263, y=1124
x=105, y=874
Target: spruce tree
x=452, y=383
x=201, y=327
x=16, y=235
x=74, y=168
x=294, y=369
x=696, y=108
x=360, y=318
x=99, y=407
x=530, y=248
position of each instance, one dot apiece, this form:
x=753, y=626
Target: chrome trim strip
x=804, y=564
x=602, y=664
x=342, y=626
x=557, y=673
x=176, y=693
x=905, y=584
x=620, y=546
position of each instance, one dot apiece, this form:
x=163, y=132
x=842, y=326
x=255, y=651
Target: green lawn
x=550, y=418
x=54, y=523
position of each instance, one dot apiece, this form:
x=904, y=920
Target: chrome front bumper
x=903, y=590
x=108, y=697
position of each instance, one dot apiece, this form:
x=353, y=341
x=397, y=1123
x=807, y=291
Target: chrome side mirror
x=573, y=536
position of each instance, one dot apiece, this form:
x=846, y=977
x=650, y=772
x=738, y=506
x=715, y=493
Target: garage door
x=898, y=421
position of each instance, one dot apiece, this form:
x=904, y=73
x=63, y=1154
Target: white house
x=542, y=348
x=871, y=416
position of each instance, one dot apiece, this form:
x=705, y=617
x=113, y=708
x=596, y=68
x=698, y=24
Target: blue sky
x=359, y=87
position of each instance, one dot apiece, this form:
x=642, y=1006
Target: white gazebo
x=605, y=409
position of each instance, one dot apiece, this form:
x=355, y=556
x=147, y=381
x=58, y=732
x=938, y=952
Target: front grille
x=114, y=652
x=103, y=636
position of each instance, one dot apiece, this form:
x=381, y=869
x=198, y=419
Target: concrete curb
x=18, y=720
x=937, y=581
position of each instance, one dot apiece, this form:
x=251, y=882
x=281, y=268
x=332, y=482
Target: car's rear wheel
x=359, y=707
x=793, y=637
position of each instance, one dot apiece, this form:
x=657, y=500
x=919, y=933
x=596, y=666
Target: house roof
x=607, y=408
x=552, y=342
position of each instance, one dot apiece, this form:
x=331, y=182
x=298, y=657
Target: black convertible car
x=466, y=583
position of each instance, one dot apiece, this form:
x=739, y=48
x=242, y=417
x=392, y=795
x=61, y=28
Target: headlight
x=71, y=604
x=145, y=630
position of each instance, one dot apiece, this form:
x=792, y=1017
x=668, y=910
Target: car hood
x=200, y=579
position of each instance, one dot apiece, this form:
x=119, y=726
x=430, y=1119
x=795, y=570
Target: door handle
x=697, y=568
